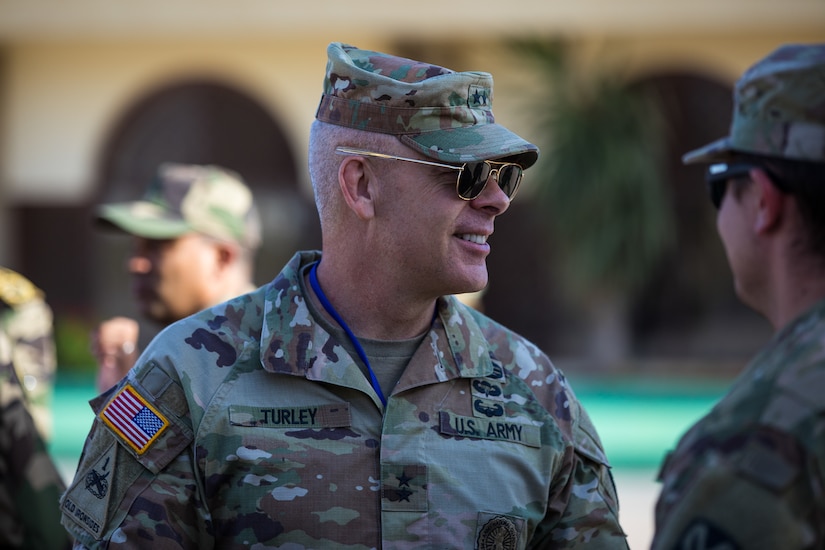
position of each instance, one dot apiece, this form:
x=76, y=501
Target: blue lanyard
x=313, y=280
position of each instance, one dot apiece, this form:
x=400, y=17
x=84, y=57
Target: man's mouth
x=473, y=238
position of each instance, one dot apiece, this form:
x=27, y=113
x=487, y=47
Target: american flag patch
x=132, y=418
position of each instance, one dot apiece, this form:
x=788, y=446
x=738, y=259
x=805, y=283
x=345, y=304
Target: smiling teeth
x=478, y=239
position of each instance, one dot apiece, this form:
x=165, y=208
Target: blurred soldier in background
x=27, y=321
x=195, y=235
x=30, y=484
x=751, y=474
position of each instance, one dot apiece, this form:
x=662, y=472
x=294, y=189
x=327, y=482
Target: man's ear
x=357, y=180
x=771, y=202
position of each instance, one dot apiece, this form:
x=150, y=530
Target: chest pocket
x=771, y=458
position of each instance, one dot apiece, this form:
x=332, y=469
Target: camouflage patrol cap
x=187, y=198
x=443, y=114
x=779, y=109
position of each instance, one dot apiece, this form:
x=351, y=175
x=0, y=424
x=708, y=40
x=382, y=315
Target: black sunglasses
x=718, y=175
x=472, y=176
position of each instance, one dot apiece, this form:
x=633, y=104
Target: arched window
x=198, y=122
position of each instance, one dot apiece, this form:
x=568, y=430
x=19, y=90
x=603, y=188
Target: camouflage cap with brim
x=779, y=109
x=443, y=114
x=183, y=199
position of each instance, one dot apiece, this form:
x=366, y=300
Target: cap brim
x=473, y=144
x=142, y=219
x=719, y=150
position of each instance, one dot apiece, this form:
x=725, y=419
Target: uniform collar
x=293, y=342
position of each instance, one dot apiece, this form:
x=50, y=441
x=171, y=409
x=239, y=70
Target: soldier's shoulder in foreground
x=142, y=430
x=24, y=313
x=165, y=394
x=27, y=319
x=757, y=454
x=206, y=344
x=32, y=483
x=15, y=289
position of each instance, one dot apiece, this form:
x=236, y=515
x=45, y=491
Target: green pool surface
x=638, y=420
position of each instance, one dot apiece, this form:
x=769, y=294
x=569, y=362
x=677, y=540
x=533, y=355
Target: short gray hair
x=324, y=162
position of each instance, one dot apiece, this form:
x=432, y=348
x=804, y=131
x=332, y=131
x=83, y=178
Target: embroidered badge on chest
x=490, y=418
x=498, y=532
x=488, y=394
x=133, y=419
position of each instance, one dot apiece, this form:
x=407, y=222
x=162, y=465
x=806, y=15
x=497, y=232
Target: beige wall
x=62, y=97
x=424, y=19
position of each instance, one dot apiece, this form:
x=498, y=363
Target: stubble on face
x=176, y=285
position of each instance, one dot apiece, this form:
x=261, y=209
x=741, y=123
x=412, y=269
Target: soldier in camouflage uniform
x=751, y=474
x=195, y=233
x=31, y=485
x=353, y=402
x=27, y=319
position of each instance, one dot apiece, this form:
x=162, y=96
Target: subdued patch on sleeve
x=99, y=487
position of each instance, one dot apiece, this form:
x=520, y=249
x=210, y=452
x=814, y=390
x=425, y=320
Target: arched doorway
x=200, y=122
x=689, y=309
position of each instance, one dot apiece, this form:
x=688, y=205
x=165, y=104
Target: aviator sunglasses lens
x=472, y=179
x=717, y=191
x=509, y=177
x=718, y=175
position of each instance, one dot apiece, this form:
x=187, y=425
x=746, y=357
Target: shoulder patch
x=16, y=289
x=133, y=419
x=701, y=533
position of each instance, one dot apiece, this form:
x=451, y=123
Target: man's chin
x=155, y=314
x=472, y=287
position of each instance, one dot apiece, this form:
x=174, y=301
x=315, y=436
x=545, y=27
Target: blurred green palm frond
x=601, y=180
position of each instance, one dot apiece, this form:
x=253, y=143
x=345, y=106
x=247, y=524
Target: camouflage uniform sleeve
x=136, y=483
x=28, y=320
x=763, y=475
x=584, y=507
x=29, y=516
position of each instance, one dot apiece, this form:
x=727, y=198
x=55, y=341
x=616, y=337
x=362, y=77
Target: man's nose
x=139, y=264
x=492, y=196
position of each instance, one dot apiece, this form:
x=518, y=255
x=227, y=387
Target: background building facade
x=94, y=94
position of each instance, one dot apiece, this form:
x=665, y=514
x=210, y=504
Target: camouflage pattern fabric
x=778, y=106
x=27, y=320
x=31, y=485
x=249, y=425
x=190, y=198
x=751, y=474
x=443, y=114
